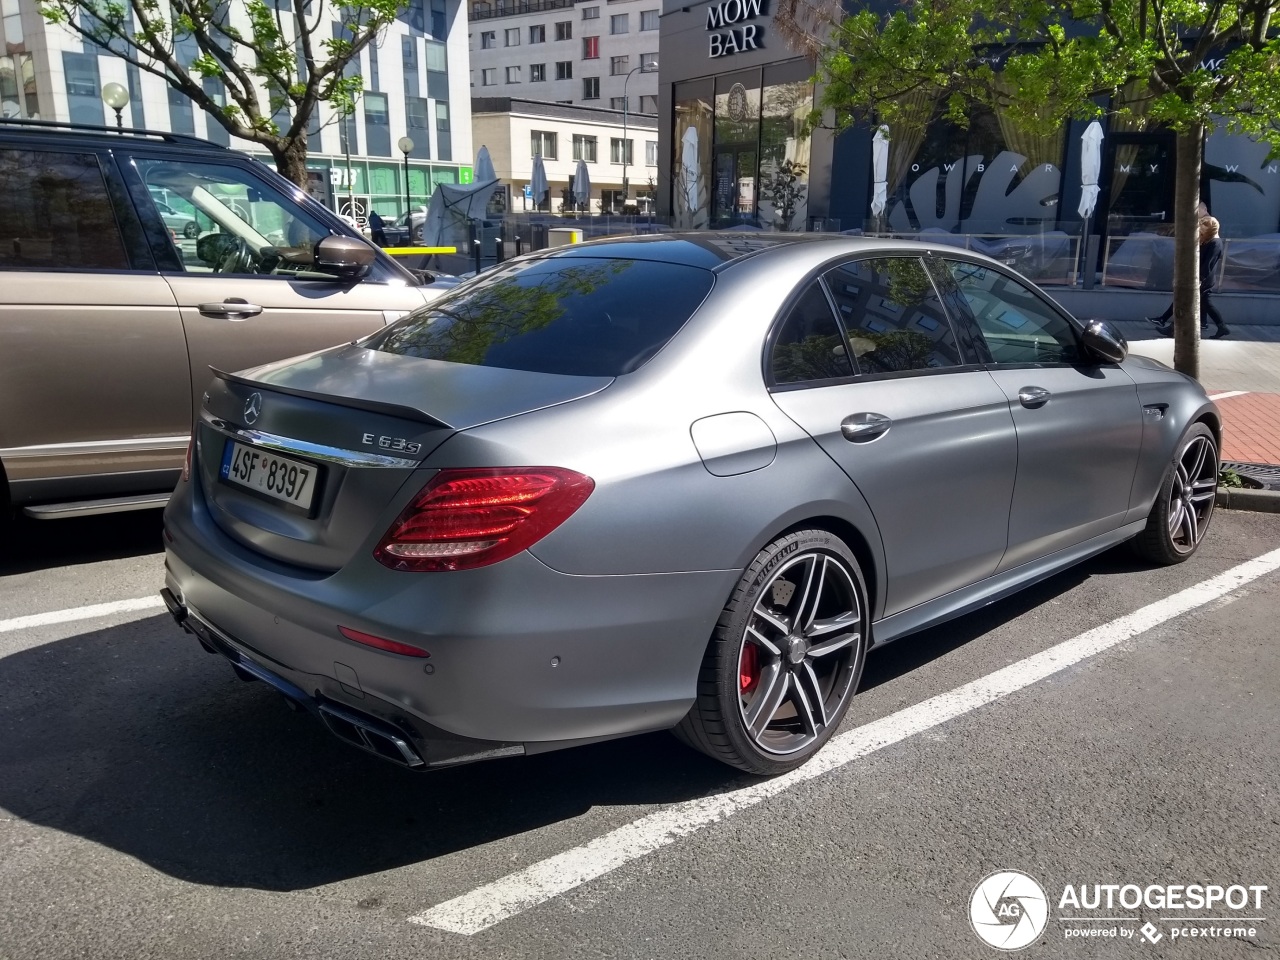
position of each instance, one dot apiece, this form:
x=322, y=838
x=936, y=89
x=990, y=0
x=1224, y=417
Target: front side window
x=1016, y=324
x=543, y=144
x=244, y=225
x=620, y=23
x=577, y=316
x=537, y=72
x=57, y=214
x=893, y=316
x=809, y=346
x=590, y=88
x=584, y=148
x=564, y=30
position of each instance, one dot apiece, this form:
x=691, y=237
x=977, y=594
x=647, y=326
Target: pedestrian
x=1210, y=261
x=377, y=228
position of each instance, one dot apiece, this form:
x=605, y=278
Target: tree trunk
x=290, y=156
x=1186, y=253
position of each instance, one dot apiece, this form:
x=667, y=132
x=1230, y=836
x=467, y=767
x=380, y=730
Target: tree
x=277, y=63
x=1199, y=65
x=781, y=188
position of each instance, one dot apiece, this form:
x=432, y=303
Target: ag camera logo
x=1008, y=910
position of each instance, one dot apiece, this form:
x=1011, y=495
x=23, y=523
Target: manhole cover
x=1263, y=473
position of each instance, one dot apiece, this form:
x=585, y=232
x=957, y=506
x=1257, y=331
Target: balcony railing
x=511, y=8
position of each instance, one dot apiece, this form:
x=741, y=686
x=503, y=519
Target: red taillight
x=186, y=464
x=382, y=643
x=471, y=518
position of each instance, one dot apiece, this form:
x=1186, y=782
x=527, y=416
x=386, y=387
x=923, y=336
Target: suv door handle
x=861, y=427
x=1033, y=397
x=232, y=308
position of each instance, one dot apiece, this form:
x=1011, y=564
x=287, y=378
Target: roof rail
x=96, y=128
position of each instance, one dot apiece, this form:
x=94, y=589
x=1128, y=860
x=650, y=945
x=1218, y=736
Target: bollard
x=497, y=250
x=519, y=245
x=475, y=248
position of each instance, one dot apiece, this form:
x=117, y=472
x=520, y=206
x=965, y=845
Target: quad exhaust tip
x=371, y=735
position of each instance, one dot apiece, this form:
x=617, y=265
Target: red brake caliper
x=748, y=668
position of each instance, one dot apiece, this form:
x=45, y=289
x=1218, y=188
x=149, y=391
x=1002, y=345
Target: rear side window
x=893, y=316
x=568, y=315
x=56, y=214
x=809, y=346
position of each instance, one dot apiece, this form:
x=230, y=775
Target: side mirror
x=347, y=257
x=1105, y=342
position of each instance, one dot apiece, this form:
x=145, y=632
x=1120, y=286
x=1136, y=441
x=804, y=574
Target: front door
x=733, y=184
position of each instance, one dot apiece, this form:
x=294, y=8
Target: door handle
x=1033, y=397
x=232, y=308
x=861, y=427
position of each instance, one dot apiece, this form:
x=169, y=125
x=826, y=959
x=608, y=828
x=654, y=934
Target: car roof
x=719, y=250
x=101, y=135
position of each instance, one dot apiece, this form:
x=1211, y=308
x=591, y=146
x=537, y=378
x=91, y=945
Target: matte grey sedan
x=683, y=482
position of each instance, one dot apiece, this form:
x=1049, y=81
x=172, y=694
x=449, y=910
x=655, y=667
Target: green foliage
x=1229, y=478
x=781, y=188
x=276, y=65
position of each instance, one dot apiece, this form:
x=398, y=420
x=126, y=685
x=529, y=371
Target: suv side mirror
x=1104, y=342
x=347, y=257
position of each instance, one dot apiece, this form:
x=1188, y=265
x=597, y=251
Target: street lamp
x=406, y=147
x=116, y=97
x=626, y=187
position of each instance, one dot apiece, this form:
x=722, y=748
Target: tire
x=1179, y=518
x=191, y=230
x=766, y=701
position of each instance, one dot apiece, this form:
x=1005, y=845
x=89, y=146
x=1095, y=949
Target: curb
x=1238, y=498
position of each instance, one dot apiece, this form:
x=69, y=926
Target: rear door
x=1079, y=422
x=925, y=435
x=94, y=377
x=246, y=285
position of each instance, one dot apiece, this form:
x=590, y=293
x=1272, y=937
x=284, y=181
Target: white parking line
x=80, y=613
x=485, y=906
x=1229, y=393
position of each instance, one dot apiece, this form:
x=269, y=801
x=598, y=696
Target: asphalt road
x=151, y=805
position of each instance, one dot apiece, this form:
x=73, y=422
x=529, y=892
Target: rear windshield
x=590, y=317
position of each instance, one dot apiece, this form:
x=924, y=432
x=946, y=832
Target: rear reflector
x=464, y=519
x=391, y=646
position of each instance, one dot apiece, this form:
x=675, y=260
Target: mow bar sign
x=734, y=39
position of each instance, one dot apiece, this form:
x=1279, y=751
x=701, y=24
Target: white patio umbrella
x=1090, y=165
x=689, y=168
x=538, y=182
x=880, y=170
x=484, y=167
x=582, y=185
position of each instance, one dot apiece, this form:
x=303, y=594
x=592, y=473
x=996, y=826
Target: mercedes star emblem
x=252, y=408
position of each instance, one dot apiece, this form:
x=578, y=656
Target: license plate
x=274, y=476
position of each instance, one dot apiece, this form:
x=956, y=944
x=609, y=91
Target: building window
x=488, y=76
x=564, y=30
x=564, y=70
x=542, y=143
x=537, y=72
x=512, y=38
x=616, y=154
x=651, y=153
x=538, y=33
x=590, y=88
x=648, y=62
x=444, y=139
x=437, y=58
x=590, y=48
x=648, y=19
x=620, y=23
x=584, y=148
x=415, y=110
x=590, y=13
x=617, y=103
x=488, y=39
x=377, y=125
x=649, y=103
x=618, y=66
x=513, y=74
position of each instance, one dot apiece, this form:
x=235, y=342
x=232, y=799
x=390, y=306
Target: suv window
x=893, y=316
x=56, y=214
x=809, y=346
x=243, y=225
x=569, y=315
x=1017, y=325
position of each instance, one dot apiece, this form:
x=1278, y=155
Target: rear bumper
x=522, y=658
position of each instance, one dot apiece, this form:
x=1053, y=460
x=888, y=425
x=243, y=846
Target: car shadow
x=27, y=545
x=135, y=739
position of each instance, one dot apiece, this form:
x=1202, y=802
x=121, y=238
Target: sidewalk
x=1242, y=374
